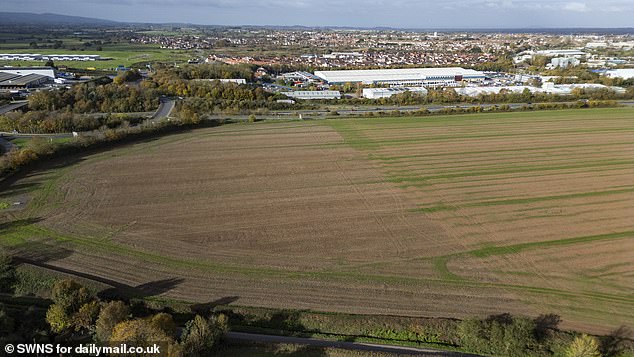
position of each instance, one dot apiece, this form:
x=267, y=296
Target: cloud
x=397, y=13
x=576, y=7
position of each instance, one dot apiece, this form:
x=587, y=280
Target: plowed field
x=452, y=216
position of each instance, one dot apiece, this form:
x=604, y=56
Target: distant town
x=289, y=61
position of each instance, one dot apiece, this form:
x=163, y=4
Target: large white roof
x=405, y=74
x=625, y=73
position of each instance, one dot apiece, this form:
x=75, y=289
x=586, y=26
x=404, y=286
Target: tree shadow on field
x=152, y=288
x=31, y=246
x=158, y=287
x=13, y=226
x=17, y=189
x=205, y=309
x=39, y=252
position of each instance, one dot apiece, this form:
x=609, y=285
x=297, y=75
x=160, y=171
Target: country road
x=164, y=109
x=357, y=346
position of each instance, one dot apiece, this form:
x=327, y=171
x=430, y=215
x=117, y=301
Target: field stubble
x=444, y=216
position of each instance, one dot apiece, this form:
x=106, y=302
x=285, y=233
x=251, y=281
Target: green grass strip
x=518, y=201
x=516, y=248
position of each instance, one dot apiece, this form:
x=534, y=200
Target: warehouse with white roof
x=623, y=73
x=313, y=94
x=376, y=93
x=550, y=88
x=428, y=77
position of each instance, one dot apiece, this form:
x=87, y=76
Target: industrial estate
x=260, y=191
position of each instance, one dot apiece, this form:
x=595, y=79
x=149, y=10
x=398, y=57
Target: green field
x=450, y=216
x=120, y=54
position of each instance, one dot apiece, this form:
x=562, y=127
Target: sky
x=423, y=14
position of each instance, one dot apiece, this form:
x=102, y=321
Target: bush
x=502, y=335
x=201, y=335
x=7, y=272
x=583, y=346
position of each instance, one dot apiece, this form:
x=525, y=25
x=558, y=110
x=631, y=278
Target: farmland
x=115, y=55
x=447, y=216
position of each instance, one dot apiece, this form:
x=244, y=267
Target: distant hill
x=27, y=18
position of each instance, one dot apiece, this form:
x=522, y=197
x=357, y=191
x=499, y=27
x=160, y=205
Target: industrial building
x=233, y=80
x=548, y=87
x=376, y=93
x=476, y=91
x=41, y=57
x=428, y=77
x=566, y=53
x=222, y=80
x=23, y=71
x=300, y=76
x=14, y=81
x=527, y=55
x=623, y=73
x=563, y=62
x=314, y=94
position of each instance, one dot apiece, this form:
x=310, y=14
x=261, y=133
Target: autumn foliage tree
x=583, y=346
x=110, y=315
x=73, y=307
x=201, y=335
x=140, y=332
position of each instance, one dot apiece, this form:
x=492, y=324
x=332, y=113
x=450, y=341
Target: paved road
x=13, y=106
x=164, y=109
x=10, y=135
x=357, y=346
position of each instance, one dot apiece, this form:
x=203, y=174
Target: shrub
x=583, y=346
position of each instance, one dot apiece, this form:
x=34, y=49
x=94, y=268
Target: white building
x=429, y=77
x=565, y=53
x=548, y=87
x=522, y=58
x=476, y=91
x=343, y=55
x=314, y=94
x=376, y=93
x=566, y=89
x=20, y=56
x=300, y=76
x=23, y=71
x=563, y=62
x=41, y=57
x=71, y=57
x=234, y=80
x=223, y=80
x=624, y=73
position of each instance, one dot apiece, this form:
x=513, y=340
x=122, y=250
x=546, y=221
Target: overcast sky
x=365, y=13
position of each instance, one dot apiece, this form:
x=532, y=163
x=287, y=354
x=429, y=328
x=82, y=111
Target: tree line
x=43, y=122
x=93, y=98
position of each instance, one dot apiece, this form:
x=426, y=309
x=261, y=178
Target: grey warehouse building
x=428, y=77
x=23, y=71
x=14, y=81
x=313, y=94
